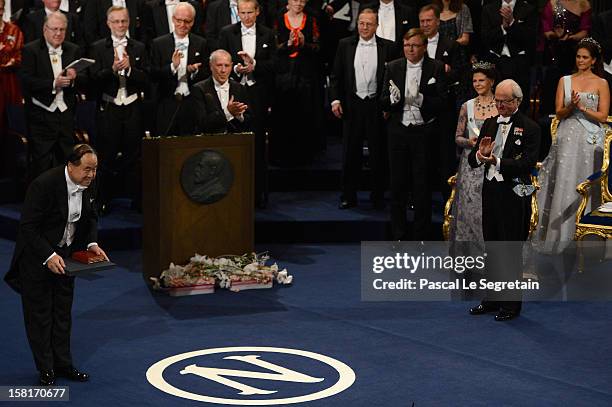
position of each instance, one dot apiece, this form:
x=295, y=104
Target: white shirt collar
x=417, y=65
x=511, y=4
x=384, y=6
x=72, y=186
x=47, y=11
x=221, y=86
x=50, y=47
x=116, y=39
x=185, y=39
x=434, y=39
x=244, y=29
x=370, y=41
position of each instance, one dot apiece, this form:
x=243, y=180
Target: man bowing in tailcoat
x=57, y=218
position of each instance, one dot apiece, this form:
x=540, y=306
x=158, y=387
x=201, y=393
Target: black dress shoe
x=47, y=378
x=344, y=204
x=72, y=374
x=504, y=315
x=481, y=309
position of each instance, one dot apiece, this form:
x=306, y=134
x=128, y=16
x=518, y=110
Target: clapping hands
x=236, y=108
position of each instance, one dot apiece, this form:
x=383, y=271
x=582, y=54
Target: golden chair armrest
x=448, y=218
x=535, y=215
x=583, y=190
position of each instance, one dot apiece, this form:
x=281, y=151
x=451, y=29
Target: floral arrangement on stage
x=233, y=272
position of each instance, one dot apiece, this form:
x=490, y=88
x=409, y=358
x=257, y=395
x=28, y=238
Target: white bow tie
x=414, y=66
x=225, y=86
x=505, y=120
x=78, y=189
x=55, y=51
x=384, y=6
x=120, y=43
x=248, y=31
x=366, y=44
x=181, y=45
x=172, y=2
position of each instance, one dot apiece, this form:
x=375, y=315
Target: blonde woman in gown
x=582, y=104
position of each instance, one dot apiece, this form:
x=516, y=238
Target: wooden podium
x=175, y=227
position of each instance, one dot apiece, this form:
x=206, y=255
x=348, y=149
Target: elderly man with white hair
x=222, y=103
x=50, y=94
x=508, y=147
x=179, y=60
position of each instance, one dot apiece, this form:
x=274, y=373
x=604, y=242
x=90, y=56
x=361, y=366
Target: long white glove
x=394, y=93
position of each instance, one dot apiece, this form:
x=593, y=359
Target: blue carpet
x=432, y=354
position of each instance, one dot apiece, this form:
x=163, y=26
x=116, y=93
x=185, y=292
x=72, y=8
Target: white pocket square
x=522, y=53
x=445, y=54
x=520, y=21
x=197, y=54
x=264, y=46
x=137, y=58
x=431, y=81
x=518, y=142
x=405, y=22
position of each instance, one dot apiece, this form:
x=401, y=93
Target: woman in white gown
x=582, y=104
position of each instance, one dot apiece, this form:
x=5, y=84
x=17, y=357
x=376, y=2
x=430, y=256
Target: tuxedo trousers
x=119, y=131
x=363, y=122
x=505, y=218
x=50, y=138
x=47, y=311
x=408, y=163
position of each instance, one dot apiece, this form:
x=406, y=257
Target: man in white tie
x=57, y=219
x=179, y=60
x=33, y=22
x=120, y=75
x=509, y=35
x=253, y=50
x=413, y=95
x=508, y=146
x=157, y=18
x=356, y=83
x=222, y=103
x=50, y=95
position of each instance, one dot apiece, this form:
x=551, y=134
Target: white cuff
x=174, y=71
x=335, y=102
x=49, y=258
x=503, y=30
x=91, y=244
x=497, y=164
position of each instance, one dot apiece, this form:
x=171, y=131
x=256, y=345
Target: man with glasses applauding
x=413, y=95
x=179, y=60
x=50, y=95
x=508, y=147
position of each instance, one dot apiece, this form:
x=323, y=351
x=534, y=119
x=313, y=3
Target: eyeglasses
x=119, y=21
x=413, y=46
x=182, y=21
x=504, y=102
x=56, y=30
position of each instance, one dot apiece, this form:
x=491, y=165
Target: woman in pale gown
x=582, y=104
x=466, y=227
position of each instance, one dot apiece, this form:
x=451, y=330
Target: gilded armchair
x=596, y=222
